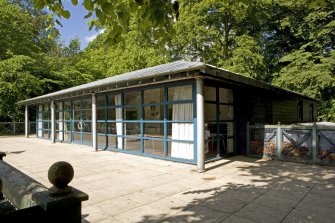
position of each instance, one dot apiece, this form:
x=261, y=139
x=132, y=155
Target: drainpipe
x=94, y=122
x=26, y=122
x=52, y=109
x=200, y=125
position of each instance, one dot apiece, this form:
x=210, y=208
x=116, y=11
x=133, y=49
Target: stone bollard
x=60, y=175
x=2, y=154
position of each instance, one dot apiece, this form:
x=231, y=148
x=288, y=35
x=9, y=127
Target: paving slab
x=130, y=188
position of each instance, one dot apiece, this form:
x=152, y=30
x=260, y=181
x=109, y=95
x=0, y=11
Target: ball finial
x=60, y=175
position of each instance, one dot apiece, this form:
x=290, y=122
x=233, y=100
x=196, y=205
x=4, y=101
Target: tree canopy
x=287, y=43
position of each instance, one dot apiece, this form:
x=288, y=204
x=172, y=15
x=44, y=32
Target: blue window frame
x=43, y=123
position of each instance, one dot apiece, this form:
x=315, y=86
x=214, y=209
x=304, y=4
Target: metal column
x=94, y=122
x=53, y=129
x=200, y=126
x=26, y=121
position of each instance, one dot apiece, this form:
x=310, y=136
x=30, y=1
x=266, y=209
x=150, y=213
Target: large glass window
x=43, y=119
x=219, y=121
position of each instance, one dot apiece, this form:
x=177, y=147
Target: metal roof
x=156, y=71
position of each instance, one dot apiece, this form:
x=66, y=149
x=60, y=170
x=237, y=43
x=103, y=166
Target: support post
x=53, y=129
x=314, y=142
x=26, y=121
x=248, y=138
x=279, y=141
x=94, y=122
x=200, y=125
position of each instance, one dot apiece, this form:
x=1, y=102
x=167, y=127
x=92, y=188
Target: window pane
x=111, y=113
x=154, y=130
x=154, y=112
x=132, y=113
x=180, y=112
x=113, y=141
x=101, y=101
x=154, y=96
x=101, y=127
x=87, y=115
x=87, y=127
x=46, y=125
x=67, y=105
x=101, y=141
x=210, y=112
x=67, y=137
x=182, y=150
x=112, y=128
x=76, y=105
x=76, y=115
x=132, y=144
x=46, y=134
x=101, y=114
x=180, y=131
x=76, y=136
x=59, y=106
x=226, y=112
x=210, y=93
x=155, y=147
x=87, y=138
x=114, y=100
x=180, y=93
x=77, y=126
x=67, y=126
x=132, y=129
x=67, y=115
x=87, y=104
x=132, y=98
x=225, y=95
x=59, y=115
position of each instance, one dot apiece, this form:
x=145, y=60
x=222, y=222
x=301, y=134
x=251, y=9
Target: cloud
x=90, y=38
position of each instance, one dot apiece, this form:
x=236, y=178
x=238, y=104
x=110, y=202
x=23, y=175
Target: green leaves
x=88, y=4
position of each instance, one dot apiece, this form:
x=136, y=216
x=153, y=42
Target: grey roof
x=169, y=68
x=160, y=70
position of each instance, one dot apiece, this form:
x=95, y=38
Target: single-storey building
x=182, y=111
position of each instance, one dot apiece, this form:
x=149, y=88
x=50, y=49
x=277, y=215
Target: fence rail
x=16, y=128
x=298, y=143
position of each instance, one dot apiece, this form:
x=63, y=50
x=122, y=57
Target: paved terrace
x=128, y=188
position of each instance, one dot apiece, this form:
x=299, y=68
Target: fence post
x=314, y=142
x=279, y=141
x=248, y=138
x=14, y=128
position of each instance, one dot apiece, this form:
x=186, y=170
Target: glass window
x=180, y=93
x=59, y=106
x=76, y=105
x=131, y=144
x=111, y=129
x=183, y=150
x=114, y=100
x=111, y=114
x=101, y=127
x=209, y=93
x=155, y=147
x=87, y=104
x=87, y=138
x=87, y=115
x=76, y=115
x=112, y=141
x=226, y=112
x=180, y=131
x=210, y=112
x=101, y=114
x=154, y=96
x=180, y=112
x=132, y=98
x=101, y=141
x=132, y=129
x=67, y=115
x=87, y=127
x=59, y=115
x=154, y=112
x=101, y=101
x=155, y=130
x=132, y=113
x=225, y=95
x=67, y=126
x=67, y=105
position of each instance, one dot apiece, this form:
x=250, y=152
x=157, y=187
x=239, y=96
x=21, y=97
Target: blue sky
x=76, y=25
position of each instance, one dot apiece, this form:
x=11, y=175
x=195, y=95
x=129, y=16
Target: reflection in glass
x=132, y=129
x=101, y=101
x=226, y=112
x=131, y=144
x=154, y=96
x=132, y=98
x=112, y=114
x=154, y=130
x=155, y=147
x=101, y=140
x=112, y=128
x=101, y=127
x=180, y=93
x=132, y=113
x=154, y=112
x=209, y=93
x=210, y=112
x=87, y=104
x=101, y=114
x=225, y=95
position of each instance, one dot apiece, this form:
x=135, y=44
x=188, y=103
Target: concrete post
x=279, y=141
x=26, y=121
x=200, y=125
x=52, y=121
x=94, y=122
x=314, y=143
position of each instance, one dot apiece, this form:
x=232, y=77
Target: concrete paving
x=129, y=188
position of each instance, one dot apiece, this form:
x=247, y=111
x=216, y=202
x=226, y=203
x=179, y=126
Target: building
x=182, y=111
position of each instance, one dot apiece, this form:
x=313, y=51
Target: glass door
x=82, y=121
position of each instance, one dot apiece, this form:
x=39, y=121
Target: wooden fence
x=298, y=143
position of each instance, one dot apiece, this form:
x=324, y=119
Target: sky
x=76, y=25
